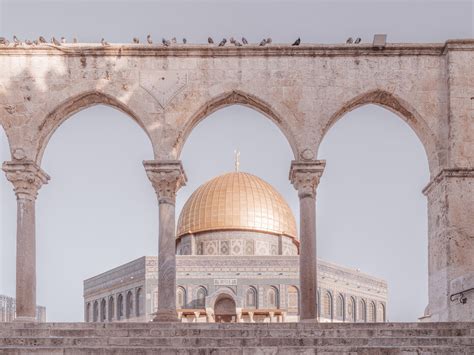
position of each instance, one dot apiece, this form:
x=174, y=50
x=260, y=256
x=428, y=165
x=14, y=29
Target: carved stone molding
x=27, y=178
x=163, y=85
x=448, y=173
x=305, y=176
x=167, y=177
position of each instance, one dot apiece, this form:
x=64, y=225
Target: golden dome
x=236, y=201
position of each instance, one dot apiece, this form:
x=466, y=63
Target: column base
x=166, y=316
x=20, y=319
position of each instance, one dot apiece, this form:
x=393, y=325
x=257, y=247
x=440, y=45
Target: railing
x=460, y=296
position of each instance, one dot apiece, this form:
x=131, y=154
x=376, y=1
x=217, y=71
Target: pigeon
x=63, y=40
x=104, y=42
x=237, y=44
x=222, y=43
x=136, y=40
x=185, y=41
x=41, y=39
x=210, y=40
x=165, y=42
x=349, y=40
x=55, y=41
x=149, y=40
x=35, y=42
x=297, y=42
x=358, y=40
x=74, y=40
x=244, y=40
x=173, y=40
x=269, y=40
x=263, y=42
x=232, y=40
x=4, y=41
x=28, y=42
x=16, y=40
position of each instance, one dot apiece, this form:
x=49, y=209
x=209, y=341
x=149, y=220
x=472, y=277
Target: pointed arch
x=73, y=105
x=236, y=97
x=403, y=110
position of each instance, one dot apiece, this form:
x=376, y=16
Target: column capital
x=26, y=176
x=167, y=177
x=305, y=176
x=448, y=173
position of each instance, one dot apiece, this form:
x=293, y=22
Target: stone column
x=167, y=176
x=27, y=178
x=304, y=176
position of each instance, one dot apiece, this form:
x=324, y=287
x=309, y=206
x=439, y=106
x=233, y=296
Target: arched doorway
x=225, y=310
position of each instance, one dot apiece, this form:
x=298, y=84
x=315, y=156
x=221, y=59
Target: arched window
x=120, y=307
x=293, y=299
x=251, y=298
x=138, y=302
x=88, y=312
x=95, y=312
x=351, y=312
x=103, y=309
x=201, y=297
x=327, y=305
x=381, y=313
x=371, y=312
x=340, y=307
x=129, y=305
x=272, y=297
x=111, y=308
x=180, y=298
x=362, y=314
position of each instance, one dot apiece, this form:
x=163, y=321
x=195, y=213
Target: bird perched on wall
x=35, y=42
x=136, y=40
x=55, y=41
x=244, y=40
x=104, y=42
x=297, y=42
x=63, y=40
x=349, y=40
x=185, y=41
x=237, y=44
x=149, y=40
x=222, y=43
x=263, y=42
x=165, y=42
x=357, y=40
x=41, y=39
x=4, y=41
x=210, y=40
x=28, y=42
x=232, y=40
x=74, y=40
x=16, y=41
x=269, y=40
x=173, y=40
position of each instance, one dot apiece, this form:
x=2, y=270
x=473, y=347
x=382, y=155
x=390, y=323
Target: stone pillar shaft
x=27, y=178
x=305, y=176
x=167, y=176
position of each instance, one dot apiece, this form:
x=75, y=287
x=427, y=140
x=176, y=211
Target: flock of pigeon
x=54, y=41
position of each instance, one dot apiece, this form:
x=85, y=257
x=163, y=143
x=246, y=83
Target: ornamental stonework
x=26, y=177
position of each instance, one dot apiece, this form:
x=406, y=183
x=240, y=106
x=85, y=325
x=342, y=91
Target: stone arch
x=340, y=307
x=399, y=107
x=119, y=306
x=138, y=302
x=75, y=104
x=95, y=312
x=225, y=308
x=251, y=297
x=293, y=302
x=111, y=310
x=236, y=97
x=103, y=310
x=351, y=309
x=273, y=297
x=180, y=297
x=129, y=305
x=362, y=310
x=201, y=295
x=327, y=305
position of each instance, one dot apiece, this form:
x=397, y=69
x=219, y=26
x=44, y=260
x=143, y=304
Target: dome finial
x=237, y=159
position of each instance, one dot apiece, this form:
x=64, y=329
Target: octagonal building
x=237, y=261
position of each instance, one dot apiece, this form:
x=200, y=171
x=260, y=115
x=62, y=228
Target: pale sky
x=99, y=209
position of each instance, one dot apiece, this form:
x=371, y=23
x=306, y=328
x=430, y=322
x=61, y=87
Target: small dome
x=236, y=201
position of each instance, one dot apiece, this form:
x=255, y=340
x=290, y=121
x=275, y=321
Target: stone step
x=365, y=332
x=341, y=350
x=234, y=341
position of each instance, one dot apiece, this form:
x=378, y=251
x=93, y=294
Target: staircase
x=237, y=338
